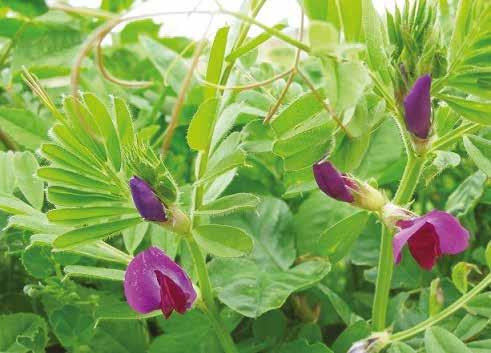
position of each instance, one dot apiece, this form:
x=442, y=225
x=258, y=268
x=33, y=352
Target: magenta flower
x=153, y=281
x=417, y=107
x=332, y=182
x=146, y=201
x=430, y=236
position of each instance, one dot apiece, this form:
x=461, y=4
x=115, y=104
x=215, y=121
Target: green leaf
x=22, y=333
x=12, y=205
x=315, y=10
x=263, y=281
x=7, y=173
x=460, y=29
x=47, y=45
x=375, y=39
x=67, y=197
x=488, y=254
x=87, y=214
x=124, y=122
x=480, y=305
x=303, y=108
x=92, y=233
x=229, y=204
x=436, y=297
x=94, y=273
x=201, y=127
x=304, y=347
x=30, y=8
x=163, y=57
x=215, y=61
x=116, y=5
x=62, y=177
x=65, y=159
x=342, y=308
x=347, y=82
x=26, y=165
x=245, y=286
x=133, y=236
x=186, y=333
x=357, y=331
x=134, y=29
x=106, y=128
x=272, y=325
x=72, y=326
x=336, y=242
x=439, y=340
x=38, y=262
x=442, y=161
x=223, y=241
x=471, y=326
x=479, y=150
x=467, y=194
x=324, y=38
x=24, y=127
x=400, y=347
x=460, y=273
x=483, y=346
x=473, y=110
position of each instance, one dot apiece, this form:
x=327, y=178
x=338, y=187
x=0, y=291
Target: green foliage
x=290, y=268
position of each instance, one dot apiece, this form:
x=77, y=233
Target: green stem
x=384, y=277
x=406, y=188
x=207, y=295
x=400, y=336
x=273, y=31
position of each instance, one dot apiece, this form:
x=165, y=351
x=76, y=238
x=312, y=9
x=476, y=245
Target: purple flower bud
x=153, y=281
x=430, y=236
x=417, y=107
x=332, y=182
x=146, y=201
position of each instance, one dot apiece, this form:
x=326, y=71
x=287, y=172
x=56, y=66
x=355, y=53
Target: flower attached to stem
x=417, y=108
x=430, y=236
x=153, y=281
x=345, y=188
x=146, y=201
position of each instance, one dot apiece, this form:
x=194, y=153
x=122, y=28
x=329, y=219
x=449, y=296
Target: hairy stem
x=408, y=184
x=400, y=336
x=211, y=309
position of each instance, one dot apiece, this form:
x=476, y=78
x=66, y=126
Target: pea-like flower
x=345, y=188
x=153, y=281
x=146, y=201
x=430, y=236
x=417, y=108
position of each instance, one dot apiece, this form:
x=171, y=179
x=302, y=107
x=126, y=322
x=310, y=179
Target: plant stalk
x=222, y=333
x=422, y=326
x=406, y=188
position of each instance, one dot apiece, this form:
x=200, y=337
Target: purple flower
x=417, y=107
x=332, y=182
x=146, y=201
x=153, y=281
x=430, y=236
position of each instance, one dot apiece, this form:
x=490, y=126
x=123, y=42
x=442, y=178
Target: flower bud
x=332, y=182
x=417, y=108
x=373, y=344
x=146, y=201
x=347, y=189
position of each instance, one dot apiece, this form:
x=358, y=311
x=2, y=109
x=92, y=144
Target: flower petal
x=142, y=288
x=332, y=182
x=417, y=107
x=171, y=295
x=408, y=229
x=148, y=204
x=424, y=245
x=453, y=237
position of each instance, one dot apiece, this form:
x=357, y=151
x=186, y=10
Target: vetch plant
x=326, y=191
